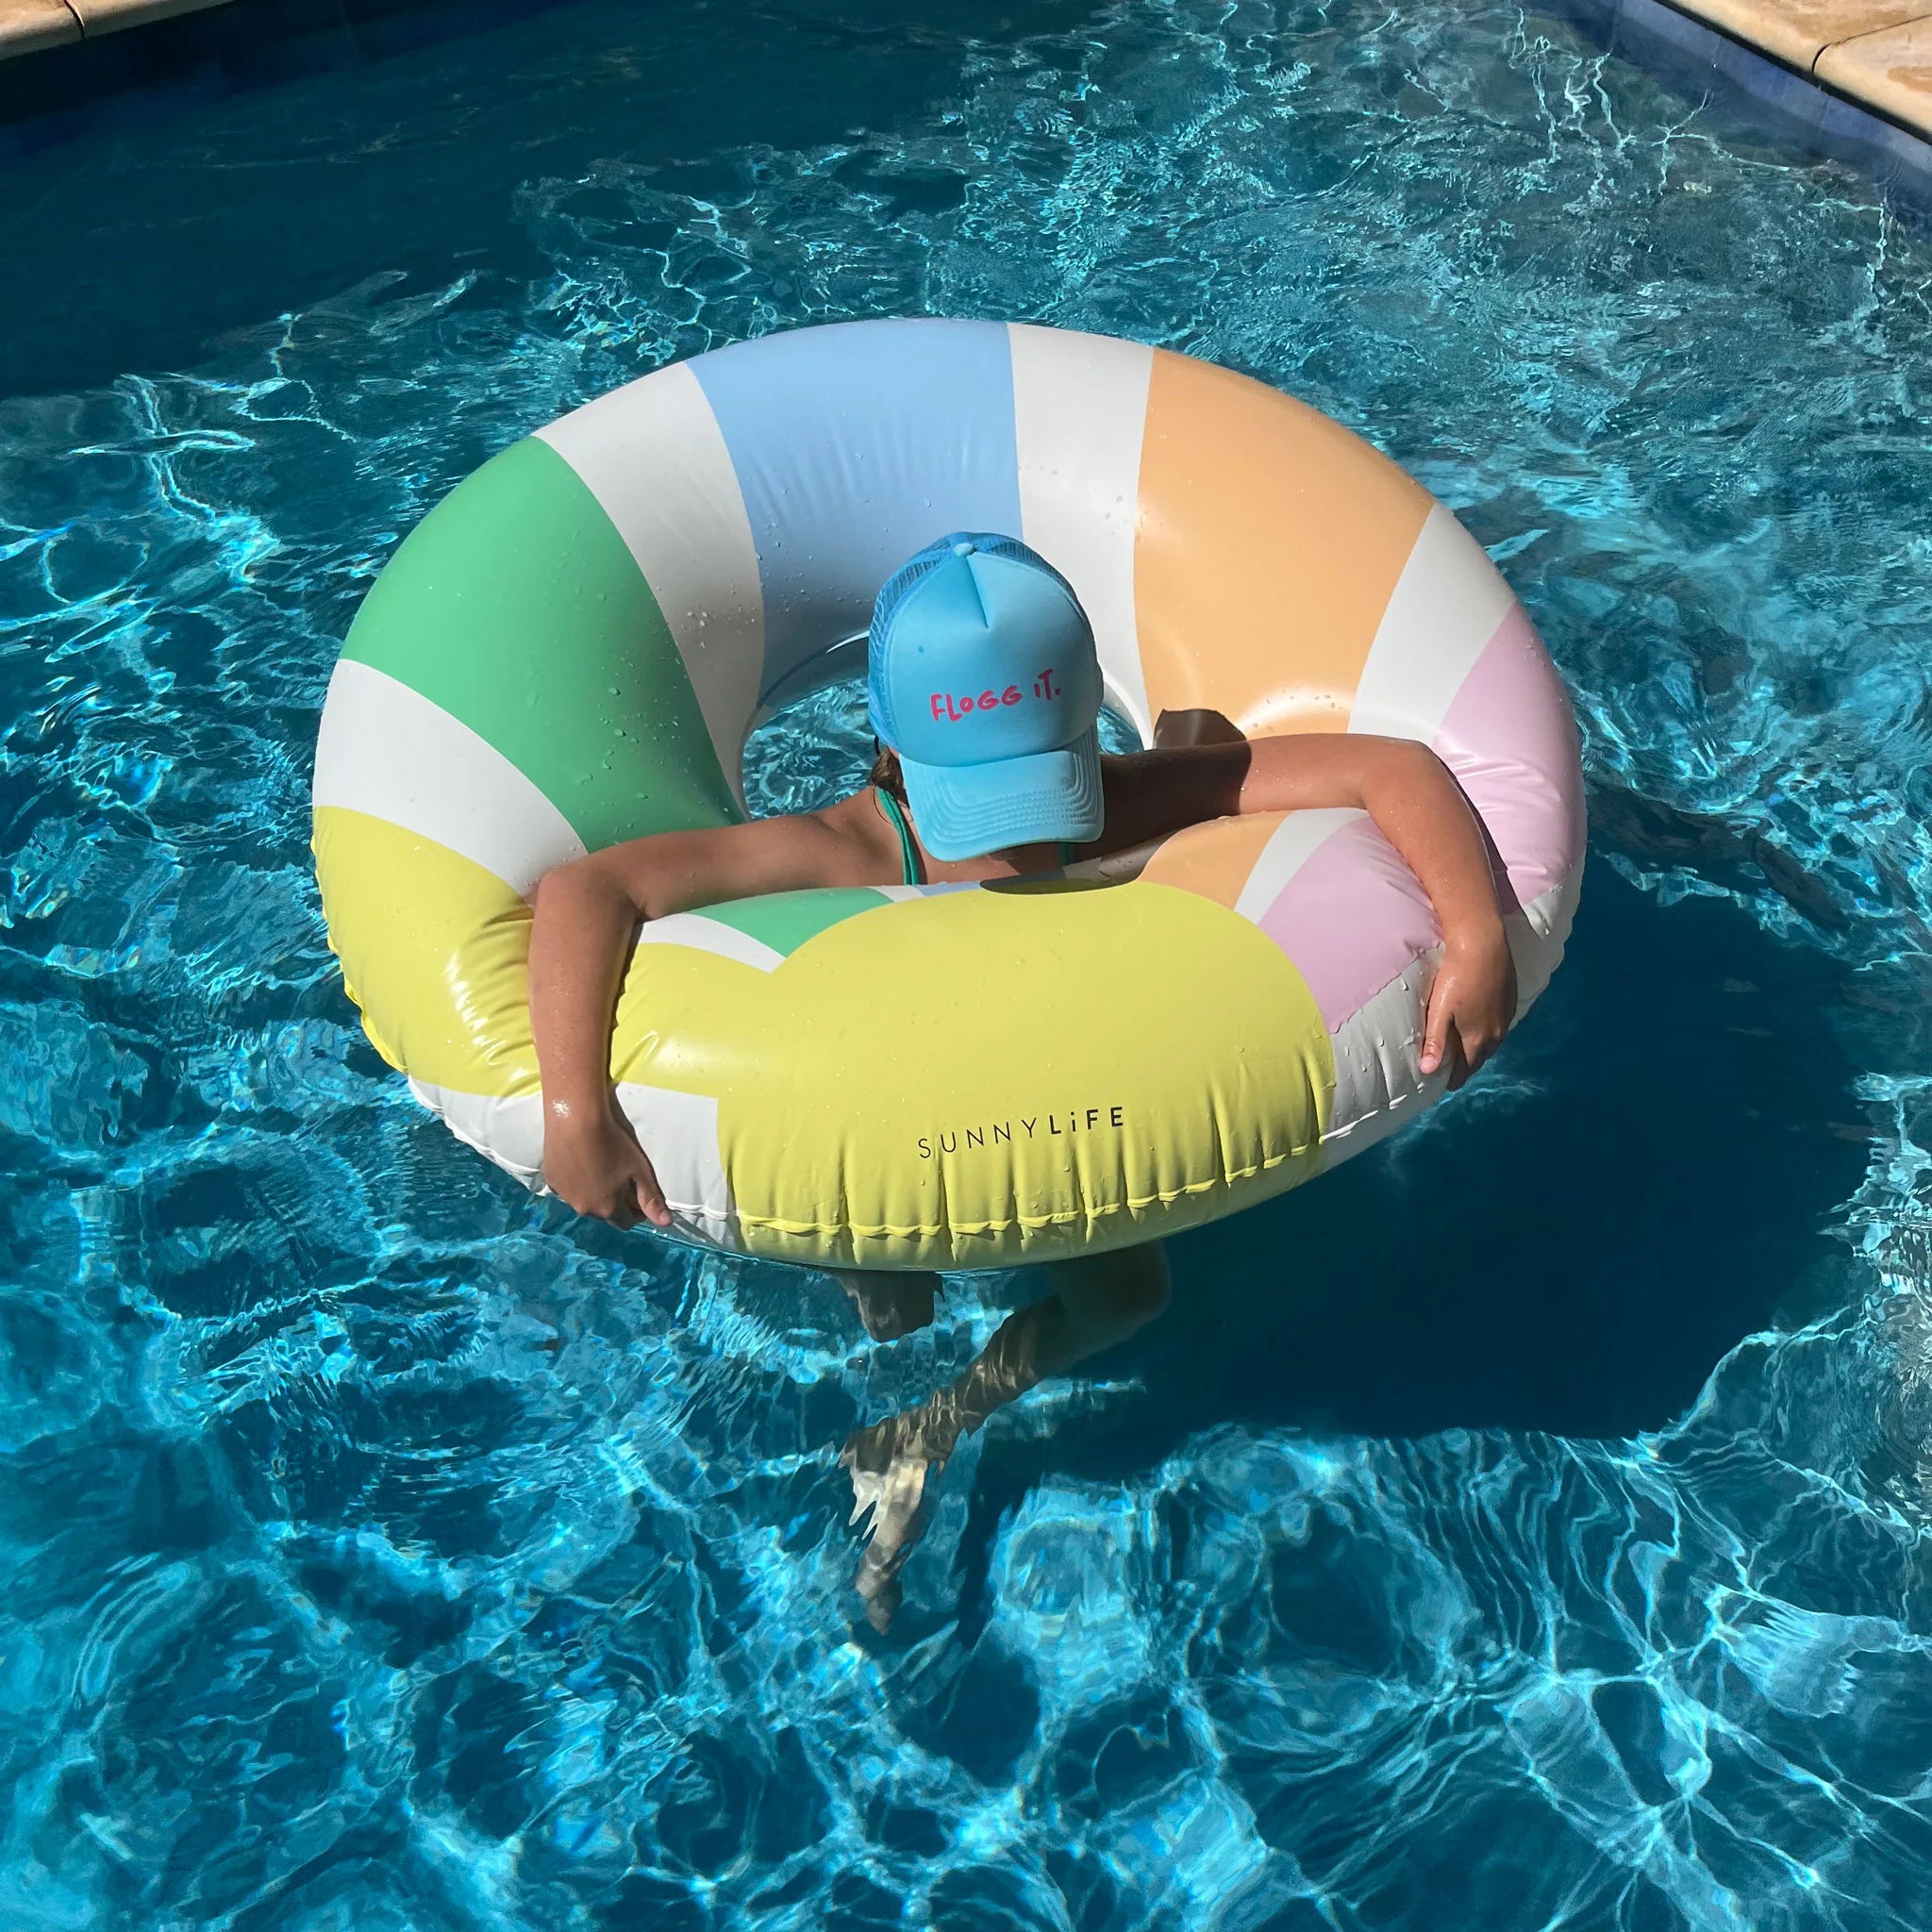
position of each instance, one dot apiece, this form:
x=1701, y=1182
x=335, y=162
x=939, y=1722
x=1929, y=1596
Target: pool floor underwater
x=1522, y=1527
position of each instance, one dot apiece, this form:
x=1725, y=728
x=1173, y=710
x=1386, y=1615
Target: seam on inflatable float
x=1162, y=1198
x=1133, y=1205
x=1130, y=1206
x=1361, y=1120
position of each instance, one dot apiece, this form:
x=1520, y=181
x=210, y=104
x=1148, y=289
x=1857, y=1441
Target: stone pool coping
x=1877, y=53
x=27, y=25
x=1781, y=94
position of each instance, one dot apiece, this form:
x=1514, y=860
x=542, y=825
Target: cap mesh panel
x=899, y=586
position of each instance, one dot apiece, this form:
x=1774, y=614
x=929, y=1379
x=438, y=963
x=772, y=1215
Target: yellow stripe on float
x=975, y=1079
x=434, y=950
x=1270, y=542
x=982, y=1078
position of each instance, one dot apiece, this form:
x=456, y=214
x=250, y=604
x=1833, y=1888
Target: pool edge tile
x=1796, y=43
x=1789, y=104
x=99, y=17
x=1870, y=68
x=27, y=25
x=1797, y=31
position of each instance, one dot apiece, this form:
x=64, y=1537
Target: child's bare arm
x=587, y=917
x=1414, y=802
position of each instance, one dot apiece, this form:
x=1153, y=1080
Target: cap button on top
x=962, y=550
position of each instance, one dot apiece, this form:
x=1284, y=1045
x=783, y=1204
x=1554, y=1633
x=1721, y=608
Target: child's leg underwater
x=1092, y=1304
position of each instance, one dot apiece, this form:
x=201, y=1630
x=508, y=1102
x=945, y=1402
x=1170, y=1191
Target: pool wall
x=1820, y=100
x=57, y=88
x=1794, y=107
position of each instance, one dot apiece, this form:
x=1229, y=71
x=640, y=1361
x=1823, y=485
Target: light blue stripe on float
x=855, y=445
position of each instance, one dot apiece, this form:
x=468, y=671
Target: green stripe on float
x=516, y=607
x=784, y=921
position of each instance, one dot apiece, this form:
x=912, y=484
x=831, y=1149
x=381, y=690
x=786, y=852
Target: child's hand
x=1471, y=1006
x=591, y=1159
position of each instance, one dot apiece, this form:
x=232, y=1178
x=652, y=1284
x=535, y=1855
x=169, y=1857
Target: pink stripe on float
x=1351, y=918
x=1510, y=740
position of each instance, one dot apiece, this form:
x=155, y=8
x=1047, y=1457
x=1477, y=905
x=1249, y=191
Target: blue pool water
x=1523, y=1527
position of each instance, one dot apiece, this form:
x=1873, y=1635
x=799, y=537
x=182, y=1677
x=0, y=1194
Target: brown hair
x=886, y=774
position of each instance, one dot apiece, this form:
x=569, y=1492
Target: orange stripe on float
x=1270, y=540
x=1212, y=860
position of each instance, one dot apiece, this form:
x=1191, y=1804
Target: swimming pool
x=383, y=1550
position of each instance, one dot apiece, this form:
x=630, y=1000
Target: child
x=984, y=690
x=970, y=790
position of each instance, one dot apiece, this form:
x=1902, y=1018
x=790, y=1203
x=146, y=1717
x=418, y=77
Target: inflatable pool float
x=570, y=650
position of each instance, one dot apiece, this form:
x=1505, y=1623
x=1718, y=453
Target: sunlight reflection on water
x=385, y=1550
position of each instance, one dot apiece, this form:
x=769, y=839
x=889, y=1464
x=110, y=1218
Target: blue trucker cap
x=981, y=675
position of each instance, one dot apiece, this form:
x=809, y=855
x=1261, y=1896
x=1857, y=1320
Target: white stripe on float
x=1378, y=1079
x=508, y=1131
x=1538, y=935
x=1446, y=606
x=1290, y=846
x=900, y=895
x=702, y=935
x=680, y=1132
x=1079, y=412
x=652, y=454
x=388, y=751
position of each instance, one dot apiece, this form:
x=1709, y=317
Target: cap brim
x=964, y=811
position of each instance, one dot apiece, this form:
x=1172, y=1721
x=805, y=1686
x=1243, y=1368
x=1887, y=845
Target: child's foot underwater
x=1096, y=1305
x=891, y=1305
x=889, y=1464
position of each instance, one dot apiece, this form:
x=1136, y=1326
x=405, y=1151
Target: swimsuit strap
x=908, y=852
